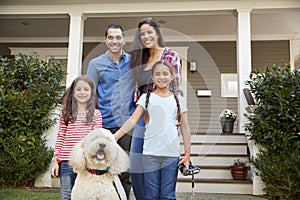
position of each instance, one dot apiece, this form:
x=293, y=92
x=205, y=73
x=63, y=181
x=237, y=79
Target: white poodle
x=98, y=160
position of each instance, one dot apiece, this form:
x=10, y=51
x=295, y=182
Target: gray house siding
x=213, y=58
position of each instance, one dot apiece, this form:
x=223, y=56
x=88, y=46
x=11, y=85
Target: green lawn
x=28, y=194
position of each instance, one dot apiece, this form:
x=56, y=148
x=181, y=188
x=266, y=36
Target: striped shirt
x=69, y=136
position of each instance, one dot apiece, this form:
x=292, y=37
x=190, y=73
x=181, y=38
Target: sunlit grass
x=28, y=194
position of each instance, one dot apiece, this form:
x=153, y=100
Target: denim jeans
x=160, y=177
x=67, y=180
x=125, y=143
x=136, y=159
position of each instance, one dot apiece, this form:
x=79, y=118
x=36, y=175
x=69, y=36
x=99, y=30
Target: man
x=115, y=88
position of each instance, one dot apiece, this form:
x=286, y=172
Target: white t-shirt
x=161, y=136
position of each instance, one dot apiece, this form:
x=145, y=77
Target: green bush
x=275, y=126
x=29, y=90
x=280, y=173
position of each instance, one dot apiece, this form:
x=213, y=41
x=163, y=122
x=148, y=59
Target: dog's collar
x=97, y=171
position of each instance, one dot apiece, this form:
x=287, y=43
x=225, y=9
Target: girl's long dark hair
x=172, y=89
x=70, y=109
x=140, y=54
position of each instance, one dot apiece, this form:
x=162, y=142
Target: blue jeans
x=160, y=177
x=136, y=169
x=67, y=180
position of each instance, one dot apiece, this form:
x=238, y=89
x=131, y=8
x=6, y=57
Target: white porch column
x=295, y=52
x=243, y=61
x=243, y=71
x=75, y=46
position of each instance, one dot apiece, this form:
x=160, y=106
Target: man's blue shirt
x=115, y=88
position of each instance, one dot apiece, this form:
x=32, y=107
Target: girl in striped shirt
x=79, y=116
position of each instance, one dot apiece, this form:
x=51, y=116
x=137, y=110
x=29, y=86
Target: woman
x=148, y=48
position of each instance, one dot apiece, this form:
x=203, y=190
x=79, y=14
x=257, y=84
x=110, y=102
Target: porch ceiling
x=66, y=2
x=266, y=24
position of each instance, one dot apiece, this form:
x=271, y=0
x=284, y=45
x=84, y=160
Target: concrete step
x=217, y=148
x=214, y=153
x=221, y=172
x=217, y=138
x=215, y=186
x=217, y=159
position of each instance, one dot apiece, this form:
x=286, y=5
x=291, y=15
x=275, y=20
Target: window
x=229, y=85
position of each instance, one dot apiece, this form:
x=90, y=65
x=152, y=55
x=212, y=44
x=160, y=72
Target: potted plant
x=227, y=119
x=239, y=170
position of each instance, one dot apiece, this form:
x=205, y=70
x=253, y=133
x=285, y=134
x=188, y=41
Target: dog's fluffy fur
x=98, y=150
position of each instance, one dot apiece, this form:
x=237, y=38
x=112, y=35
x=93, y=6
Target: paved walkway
x=205, y=196
x=189, y=196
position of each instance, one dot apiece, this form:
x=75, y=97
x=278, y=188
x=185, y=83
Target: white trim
x=130, y=39
x=295, y=53
x=292, y=55
x=133, y=7
x=43, y=53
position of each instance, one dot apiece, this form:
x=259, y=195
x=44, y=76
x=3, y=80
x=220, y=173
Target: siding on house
x=213, y=58
x=267, y=53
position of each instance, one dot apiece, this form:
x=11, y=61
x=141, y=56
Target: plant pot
x=239, y=173
x=227, y=126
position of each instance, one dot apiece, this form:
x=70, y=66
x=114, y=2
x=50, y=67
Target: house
x=224, y=39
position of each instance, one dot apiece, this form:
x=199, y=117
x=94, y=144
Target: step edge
x=219, y=143
x=220, y=134
x=217, y=155
x=204, y=180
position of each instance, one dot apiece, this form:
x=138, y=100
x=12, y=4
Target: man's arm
x=92, y=72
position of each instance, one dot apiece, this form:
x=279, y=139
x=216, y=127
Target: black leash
x=191, y=171
x=193, y=184
x=117, y=190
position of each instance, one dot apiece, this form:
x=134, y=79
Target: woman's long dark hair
x=70, y=109
x=139, y=53
x=172, y=89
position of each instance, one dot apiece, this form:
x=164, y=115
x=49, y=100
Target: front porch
x=221, y=37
